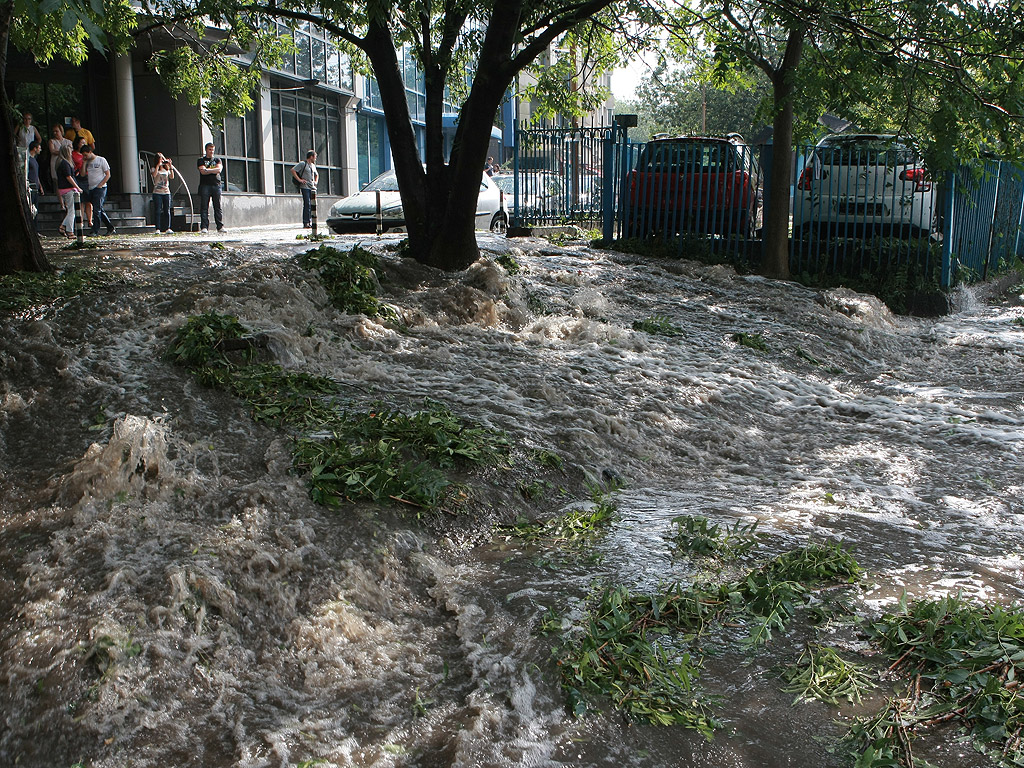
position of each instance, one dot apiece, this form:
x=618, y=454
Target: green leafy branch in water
x=698, y=535
x=509, y=263
x=24, y=290
x=752, y=340
x=633, y=648
x=963, y=665
x=386, y=454
x=658, y=325
x=204, y=341
x=381, y=454
x=350, y=278
x=579, y=525
x=823, y=675
x=616, y=657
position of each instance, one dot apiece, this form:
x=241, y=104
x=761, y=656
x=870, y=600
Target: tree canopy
x=696, y=99
x=948, y=72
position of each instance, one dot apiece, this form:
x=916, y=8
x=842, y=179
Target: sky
x=626, y=79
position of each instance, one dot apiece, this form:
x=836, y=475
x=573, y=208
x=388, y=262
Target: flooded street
x=170, y=595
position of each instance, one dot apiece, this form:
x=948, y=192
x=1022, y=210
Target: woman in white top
x=27, y=133
x=56, y=141
x=162, y=174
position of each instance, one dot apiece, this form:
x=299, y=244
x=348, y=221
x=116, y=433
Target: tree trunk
x=440, y=202
x=20, y=250
x=776, y=214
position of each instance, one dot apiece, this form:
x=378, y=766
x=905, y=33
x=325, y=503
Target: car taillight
x=807, y=176
x=920, y=178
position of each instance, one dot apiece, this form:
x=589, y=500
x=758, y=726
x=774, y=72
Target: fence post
x=767, y=151
x=947, y=228
x=607, y=187
x=1020, y=218
x=79, y=219
x=380, y=215
x=989, y=265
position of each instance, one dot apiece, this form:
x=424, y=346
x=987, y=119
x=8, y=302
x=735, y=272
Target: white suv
x=865, y=182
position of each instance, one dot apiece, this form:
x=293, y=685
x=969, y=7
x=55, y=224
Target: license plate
x=859, y=208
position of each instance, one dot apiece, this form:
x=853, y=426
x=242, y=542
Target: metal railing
x=556, y=176
x=146, y=162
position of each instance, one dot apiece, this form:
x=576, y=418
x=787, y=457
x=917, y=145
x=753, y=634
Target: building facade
x=314, y=100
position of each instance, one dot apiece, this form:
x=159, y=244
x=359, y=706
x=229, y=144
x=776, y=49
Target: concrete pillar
x=266, y=112
x=124, y=85
x=350, y=145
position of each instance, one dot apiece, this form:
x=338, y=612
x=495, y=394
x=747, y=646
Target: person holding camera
x=162, y=174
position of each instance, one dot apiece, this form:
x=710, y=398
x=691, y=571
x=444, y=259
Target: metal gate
x=557, y=176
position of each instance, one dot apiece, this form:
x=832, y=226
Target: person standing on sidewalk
x=97, y=172
x=162, y=175
x=27, y=132
x=34, y=187
x=306, y=176
x=209, y=189
x=67, y=186
x=76, y=131
x=57, y=140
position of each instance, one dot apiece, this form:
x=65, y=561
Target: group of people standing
x=76, y=168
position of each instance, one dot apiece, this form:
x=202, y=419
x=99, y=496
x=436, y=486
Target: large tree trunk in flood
x=20, y=250
x=776, y=215
x=440, y=201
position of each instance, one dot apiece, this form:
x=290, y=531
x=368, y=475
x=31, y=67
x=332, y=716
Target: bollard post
x=312, y=210
x=79, y=219
x=380, y=215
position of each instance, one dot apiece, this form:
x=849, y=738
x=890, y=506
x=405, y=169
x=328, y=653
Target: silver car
x=379, y=205
x=865, y=182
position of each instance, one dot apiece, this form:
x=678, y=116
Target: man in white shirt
x=97, y=171
x=306, y=176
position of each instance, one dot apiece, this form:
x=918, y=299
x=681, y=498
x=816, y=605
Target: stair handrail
x=144, y=156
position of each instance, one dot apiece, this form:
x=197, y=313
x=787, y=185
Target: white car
x=864, y=182
x=359, y=212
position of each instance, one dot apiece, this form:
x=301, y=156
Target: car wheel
x=499, y=224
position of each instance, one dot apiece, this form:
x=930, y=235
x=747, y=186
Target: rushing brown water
x=171, y=596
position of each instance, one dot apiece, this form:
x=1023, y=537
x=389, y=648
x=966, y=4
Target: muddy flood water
x=170, y=594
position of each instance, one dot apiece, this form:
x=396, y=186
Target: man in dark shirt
x=210, y=169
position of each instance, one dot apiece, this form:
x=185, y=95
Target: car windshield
x=529, y=184
x=505, y=183
x=866, y=150
x=386, y=182
x=689, y=155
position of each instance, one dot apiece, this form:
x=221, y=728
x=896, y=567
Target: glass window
x=303, y=63
x=290, y=133
x=240, y=143
x=253, y=135
x=307, y=121
x=319, y=60
x=305, y=126
x=234, y=134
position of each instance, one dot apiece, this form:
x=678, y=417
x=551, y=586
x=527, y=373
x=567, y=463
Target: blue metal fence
x=557, y=176
x=855, y=207
x=984, y=225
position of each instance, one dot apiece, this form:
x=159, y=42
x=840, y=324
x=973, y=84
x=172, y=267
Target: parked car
x=358, y=212
x=864, y=182
x=541, y=193
x=695, y=184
